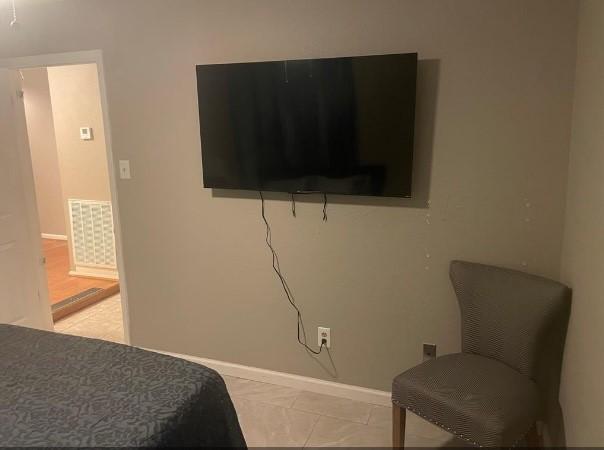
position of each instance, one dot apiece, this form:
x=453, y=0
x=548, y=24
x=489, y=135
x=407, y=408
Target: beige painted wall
x=583, y=255
x=493, y=131
x=76, y=102
x=45, y=164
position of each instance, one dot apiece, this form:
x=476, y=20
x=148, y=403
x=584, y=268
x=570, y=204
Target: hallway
x=62, y=286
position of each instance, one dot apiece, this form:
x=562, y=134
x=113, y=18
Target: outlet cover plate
x=324, y=333
x=429, y=351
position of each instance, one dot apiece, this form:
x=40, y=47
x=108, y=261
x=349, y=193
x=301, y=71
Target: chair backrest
x=516, y=318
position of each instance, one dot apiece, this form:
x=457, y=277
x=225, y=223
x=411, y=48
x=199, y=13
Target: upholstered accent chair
x=506, y=379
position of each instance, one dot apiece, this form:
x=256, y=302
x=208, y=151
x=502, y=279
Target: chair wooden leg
x=398, y=426
x=534, y=438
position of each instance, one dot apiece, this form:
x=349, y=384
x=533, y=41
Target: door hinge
x=43, y=260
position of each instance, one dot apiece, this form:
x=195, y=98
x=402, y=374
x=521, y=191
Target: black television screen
x=337, y=125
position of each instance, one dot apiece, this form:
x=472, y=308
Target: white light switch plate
x=124, y=169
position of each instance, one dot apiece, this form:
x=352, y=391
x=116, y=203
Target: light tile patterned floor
x=279, y=416
x=103, y=320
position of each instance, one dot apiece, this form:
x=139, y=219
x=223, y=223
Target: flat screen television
x=334, y=125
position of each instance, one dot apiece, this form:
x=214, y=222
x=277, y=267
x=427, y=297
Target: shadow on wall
x=428, y=73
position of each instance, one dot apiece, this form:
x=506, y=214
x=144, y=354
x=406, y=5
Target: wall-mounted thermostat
x=86, y=133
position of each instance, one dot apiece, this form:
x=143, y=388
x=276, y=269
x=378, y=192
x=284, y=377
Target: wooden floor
x=61, y=285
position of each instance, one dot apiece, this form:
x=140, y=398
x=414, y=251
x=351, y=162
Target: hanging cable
x=13, y=22
x=293, y=205
x=285, y=71
x=324, y=207
x=286, y=289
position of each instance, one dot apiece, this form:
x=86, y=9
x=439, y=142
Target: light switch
x=86, y=133
x=124, y=169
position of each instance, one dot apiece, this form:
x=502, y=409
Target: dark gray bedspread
x=59, y=390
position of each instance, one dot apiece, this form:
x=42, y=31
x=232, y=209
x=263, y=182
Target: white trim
x=114, y=197
x=89, y=57
x=52, y=59
x=341, y=390
x=55, y=237
x=41, y=318
x=91, y=272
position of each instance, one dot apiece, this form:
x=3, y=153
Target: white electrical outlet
x=325, y=333
x=429, y=351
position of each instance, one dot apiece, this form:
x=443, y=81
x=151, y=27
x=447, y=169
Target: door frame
x=41, y=317
x=88, y=57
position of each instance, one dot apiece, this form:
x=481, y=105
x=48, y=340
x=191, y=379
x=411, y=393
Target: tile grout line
x=317, y=415
x=293, y=405
x=264, y=403
x=373, y=408
x=312, y=430
x=336, y=417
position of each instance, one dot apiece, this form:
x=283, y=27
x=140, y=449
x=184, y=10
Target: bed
x=69, y=391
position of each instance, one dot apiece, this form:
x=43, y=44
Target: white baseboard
x=348, y=391
x=56, y=237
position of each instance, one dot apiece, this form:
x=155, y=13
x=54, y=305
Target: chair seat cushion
x=478, y=399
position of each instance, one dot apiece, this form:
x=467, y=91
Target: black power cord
x=286, y=289
x=294, y=205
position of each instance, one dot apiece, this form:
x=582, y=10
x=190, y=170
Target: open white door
x=23, y=289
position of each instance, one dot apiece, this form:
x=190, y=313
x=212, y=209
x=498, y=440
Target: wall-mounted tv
x=334, y=125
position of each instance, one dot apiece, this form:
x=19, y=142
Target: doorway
x=64, y=105
x=67, y=144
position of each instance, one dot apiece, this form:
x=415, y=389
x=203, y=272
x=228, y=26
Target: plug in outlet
x=429, y=351
x=324, y=333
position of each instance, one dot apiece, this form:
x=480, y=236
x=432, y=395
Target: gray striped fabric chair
x=513, y=328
